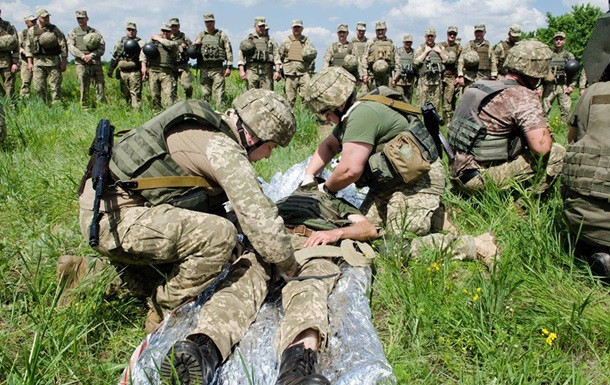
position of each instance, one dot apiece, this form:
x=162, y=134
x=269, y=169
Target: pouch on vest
x=378, y=171
x=405, y=156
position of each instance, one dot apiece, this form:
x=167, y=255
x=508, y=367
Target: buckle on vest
x=128, y=184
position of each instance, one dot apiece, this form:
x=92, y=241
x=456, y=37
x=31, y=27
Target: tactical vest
x=468, y=134
x=339, y=55
x=38, y=49
x=182, y=57
x=80, y=42
x=314, y=209
x=22, y=40
x=166, y=58
x=382, y=49
x=432, y=66
x=506, y=46
x=558, y=64
x=483, y=51
x=407, y=71
x=263, y=51
x=143, y=153
x=586, y=164
x=295, y=50
x=358, y=47
x=5, y=28
x=121, y=55
x=211, y=48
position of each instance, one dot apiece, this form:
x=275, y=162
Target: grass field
x=540, y=318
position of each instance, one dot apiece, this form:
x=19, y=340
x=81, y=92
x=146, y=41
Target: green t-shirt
x=372, y=123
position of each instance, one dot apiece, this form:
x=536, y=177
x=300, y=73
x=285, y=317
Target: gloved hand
x=308, y=179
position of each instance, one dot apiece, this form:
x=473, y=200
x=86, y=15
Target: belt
x=468, y=175
x=300, y=230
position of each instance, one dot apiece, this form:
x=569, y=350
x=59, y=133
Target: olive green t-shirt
x=370, y=122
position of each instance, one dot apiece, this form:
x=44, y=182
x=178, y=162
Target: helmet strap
x=348, y=104
x=244, y=141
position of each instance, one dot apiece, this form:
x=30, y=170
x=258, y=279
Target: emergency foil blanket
x=354, y=355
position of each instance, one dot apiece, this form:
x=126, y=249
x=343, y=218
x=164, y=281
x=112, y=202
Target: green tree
x=577, y=24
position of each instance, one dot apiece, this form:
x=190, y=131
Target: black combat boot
x=298, y=367
x=191, y=362
x=600, y=265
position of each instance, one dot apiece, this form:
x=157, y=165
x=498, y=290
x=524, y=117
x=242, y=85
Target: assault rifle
x=433, y=122
x=100, y=151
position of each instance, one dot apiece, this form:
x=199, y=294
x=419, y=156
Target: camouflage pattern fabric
x=451, y=92
x=131, y=87
x=53, y=75
x=162, y=89
x=428, y=93
x=7, y=59
x=87, y=74
x=185, y=79
x=26, y=79
x=552, y=91
x=212, y=84
x=260, y=75
x=296, y=84
x=2, y=126
x=8, y=82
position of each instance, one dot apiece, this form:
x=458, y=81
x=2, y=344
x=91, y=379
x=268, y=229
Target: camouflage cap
x=480, y=27
x=208, y=17
x=329, y=89
x=131, y=25
x=297, y=23
x=267, y=114
x=430, y=32
x=42, y=13
x=174, y=21
x=342, y=28
x=29, y=18
x=529, y=57
x=452, y=28
x=166, y=27
x=407, y=38
x=380, y=25
x=260, y=20
x=559, y=34
x=361, y=26
x=515, y=30
x=81, y=13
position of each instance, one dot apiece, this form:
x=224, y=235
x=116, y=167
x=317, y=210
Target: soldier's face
x=263, y=152
x=479, y=35
x=30, y=23
x=451, y=36
x=175, y=29
x=360, y=33
x=44, y=20
x=131, y=33
x=82, y=21
x=259, y=29
x=430, y=39
x=165, y=34
x=559, y=41
x=342, y=36
x=210, y=25
x=380, y=33
x=297, y=30
x=514, y=39
x=407, y=45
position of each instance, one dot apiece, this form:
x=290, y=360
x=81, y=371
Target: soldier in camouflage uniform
x=182, y=69
x=583, y=82
x=259, y=57
x=359, y=132
x=380, y=59
x=87, y=46
x=215, y=61
x=359, y=44
x=160, y=69
x=451, y=90
x=429, y=59
x=558, y=84
x=336, y=52
x=298, y=54
x=129, y=66
x=405, y=79
x=47, y=53
x=499, y=131
x=181, y=232
x=26, y=73
x=486, y=66
x=9, y=57
x=502, y=48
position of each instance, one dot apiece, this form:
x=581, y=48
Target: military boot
x=191, y=362
x=600, y=265
x=298, y=367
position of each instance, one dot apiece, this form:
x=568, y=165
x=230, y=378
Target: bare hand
x=569, y=90
x=243, y=75
x=14, y=68
x=227, y=72
x=322, y=238
x=460, y=81
x=277, y=76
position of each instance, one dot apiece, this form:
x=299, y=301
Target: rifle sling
x=164, y=181
x=392, y=103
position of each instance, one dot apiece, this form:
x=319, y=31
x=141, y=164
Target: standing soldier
x=405, y=79
x=158, y=60
x=182, y=69
x=87, y=46
x=215, y=61
x=453, y=50
x=126, y=57
x=429, y=58
x=336, y=52
x=359, y=43
x=26, y=72
x=380, y=59
x=483, y=65
x=47, y=53
x=259, y=57
x=9, y=57
x=501, y=50
x=558, y=84
x=583, y=82
x=298, y=54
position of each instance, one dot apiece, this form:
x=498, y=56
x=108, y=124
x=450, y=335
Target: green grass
x=441, y=321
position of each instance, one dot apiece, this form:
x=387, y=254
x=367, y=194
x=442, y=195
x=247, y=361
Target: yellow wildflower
x=545, y=332
x=478, y=289
x=552, y=337
x=475, y=298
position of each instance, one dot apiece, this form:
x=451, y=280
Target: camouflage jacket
x=78, y=54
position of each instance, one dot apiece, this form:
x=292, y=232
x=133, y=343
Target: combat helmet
x=329, y=88
x=380, y=68
x=151, y=50
x=267, y=114
x=8, y=43
x=471, y=60
x=92, y=41
x=571, y=67
x=131, y=47
x=530, y=58
x=247, y=46
x=48, y=40
x=309, y=53
x=350, y=63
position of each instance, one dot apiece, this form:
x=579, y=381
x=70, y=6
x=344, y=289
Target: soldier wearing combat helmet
x=298, y=54
x=380, y=59
x=259, y=57
x=559, y=84
x=429, y=59
x=485, y=67
x=405, y=79
x=9, y=57
x=451, y=90
x=499, y=131
x=126, y=57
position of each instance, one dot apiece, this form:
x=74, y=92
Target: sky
x=320, y=17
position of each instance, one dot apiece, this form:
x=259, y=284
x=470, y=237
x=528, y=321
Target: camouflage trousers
x=429, y=92
x=2, y=126
x=39, y=80
x=187, y=249
x=408, y=208
x=184, y=77
x=552, y=91
x=260, y=75
x=87, y=74
x=212, y=84
x=226, y=317
x=376, y=81
x=26, y=80
x=407, y=91
x=521, y=169
x=296, y=85
x=451, y=93
x=162, y=88
x=131, y=87
x=8, y=82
